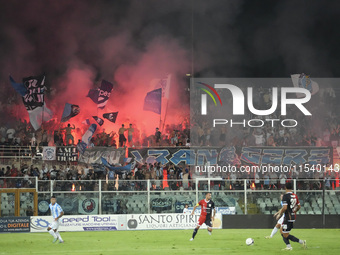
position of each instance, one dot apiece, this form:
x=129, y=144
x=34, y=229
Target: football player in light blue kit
x=56, y=212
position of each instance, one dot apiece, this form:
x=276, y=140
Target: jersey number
x=292, y=203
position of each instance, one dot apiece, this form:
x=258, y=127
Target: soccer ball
x=249, y=241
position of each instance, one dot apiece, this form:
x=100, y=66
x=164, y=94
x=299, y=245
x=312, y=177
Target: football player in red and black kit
x=290, y=206
x=207, y=214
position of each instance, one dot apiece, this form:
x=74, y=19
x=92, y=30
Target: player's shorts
x=206, y=220
x=287, y=226
x=280, y=221
x=54, y=224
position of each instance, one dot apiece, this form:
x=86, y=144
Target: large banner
x=230, y=155
x=15, y=224
x=81, y=223
x=167, y=221
x=94, y=155
x=68, y=153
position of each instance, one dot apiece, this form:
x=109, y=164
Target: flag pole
x=160, y=115
x=42, y=115
x=166, y=112
x=43, y=106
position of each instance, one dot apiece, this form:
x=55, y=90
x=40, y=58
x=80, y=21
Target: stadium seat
x=302, y=210
x=275, y=201
x=262, y=205
x=336, y=203
x=337, y=208
x=332, y=211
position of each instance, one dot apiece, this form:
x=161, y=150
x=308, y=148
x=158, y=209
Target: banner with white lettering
x=81, y=223
x=14, y=224
x=68, y=153
x=167, y=221
x=231, y=159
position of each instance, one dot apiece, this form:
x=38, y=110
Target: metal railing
x=155, y=196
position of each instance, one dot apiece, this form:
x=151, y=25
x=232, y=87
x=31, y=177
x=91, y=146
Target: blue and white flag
x=127, y=168
x=70, y=110
x=304, y=81
x=153, y=101
x=85, y=140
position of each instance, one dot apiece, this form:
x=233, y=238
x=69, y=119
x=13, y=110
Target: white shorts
x=54, y=224
x=280, y=221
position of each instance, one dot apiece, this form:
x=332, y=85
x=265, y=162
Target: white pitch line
x=103, y=250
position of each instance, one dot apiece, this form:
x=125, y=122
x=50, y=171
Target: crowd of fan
x=168, y=177
x=20, y=133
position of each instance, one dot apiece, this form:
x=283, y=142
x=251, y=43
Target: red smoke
x=132, y=82
x=78, y=45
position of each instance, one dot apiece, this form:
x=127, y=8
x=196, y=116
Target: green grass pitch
x=227, y=241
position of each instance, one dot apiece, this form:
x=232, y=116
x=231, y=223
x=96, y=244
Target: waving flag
x=99, y=120
x=85, y=140
x=164, y=84
x=104, y=93
x=101, y=96
x=32, y=91
x=70, y=111
x=304, y=81
x=19, y=87
x=153, y=101
x=127, y=168
x=111, y=116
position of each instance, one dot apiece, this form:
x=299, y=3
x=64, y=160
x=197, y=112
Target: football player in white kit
x=278, y=224
x=56, y=212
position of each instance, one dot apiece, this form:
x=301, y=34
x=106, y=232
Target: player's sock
x=194, y=233
x=52, y=233
x=294, y=239
x=286, y=241
x=59, y=237
x=275, y=229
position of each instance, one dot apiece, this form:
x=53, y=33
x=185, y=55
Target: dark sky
x=231, y=38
